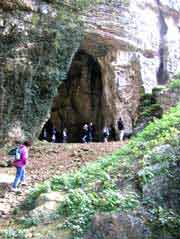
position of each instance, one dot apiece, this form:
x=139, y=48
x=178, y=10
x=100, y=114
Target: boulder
x=117, y=226
x=46, y=206
x=164, y=186
x=44, y=213
x=50, y=197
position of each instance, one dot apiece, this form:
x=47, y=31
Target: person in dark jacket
x=112, y=133
x=91, y=132
x=120, y=126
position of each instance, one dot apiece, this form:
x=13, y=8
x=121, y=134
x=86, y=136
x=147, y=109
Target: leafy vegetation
x=29, y=203
x=166, y=221
x=81, y=205
x=14, y=234
x=175, y=84
x=94, y=188
x=149, y=108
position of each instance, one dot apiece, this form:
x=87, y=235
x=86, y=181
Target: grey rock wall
x=38, y=45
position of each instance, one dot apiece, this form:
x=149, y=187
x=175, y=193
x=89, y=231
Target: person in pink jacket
x=20, y=165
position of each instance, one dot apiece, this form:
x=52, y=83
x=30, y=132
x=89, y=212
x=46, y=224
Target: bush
x=177, y=75
x=14, y=234
x=82, y=205
x=153, y=110
x=29, y=202
x=94, y=187
x=174, y=84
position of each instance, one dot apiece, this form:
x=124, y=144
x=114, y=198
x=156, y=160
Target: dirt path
x=45, y=161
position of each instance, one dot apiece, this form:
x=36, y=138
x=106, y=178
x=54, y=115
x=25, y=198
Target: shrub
x=29, y=202
x=81, y=206
x=14, y=234
x=174, y=84
x=177, y=75
x=165, y=222
x=93, y=188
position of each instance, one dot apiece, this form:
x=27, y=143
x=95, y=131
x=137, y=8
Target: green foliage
x=14, y=234
x=177, y=75
x=157, y=89
x=81, y=205
x=152, y=110
x=166, y=222
x=94, y=187
x=80, y=178
x=147, y=99
x=148, y=108
x=29, y=202
x=29, y=222
x=174, y=84
x=145, y=175
x=161, y=131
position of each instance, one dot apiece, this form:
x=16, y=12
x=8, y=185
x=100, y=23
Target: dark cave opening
x=79, y=101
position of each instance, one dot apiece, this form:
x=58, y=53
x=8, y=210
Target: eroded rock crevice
x=162, y=74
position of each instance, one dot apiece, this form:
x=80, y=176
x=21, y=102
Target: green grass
x=94, y=188
x=83, y=201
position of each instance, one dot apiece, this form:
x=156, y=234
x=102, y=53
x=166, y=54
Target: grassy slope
x=94, y=188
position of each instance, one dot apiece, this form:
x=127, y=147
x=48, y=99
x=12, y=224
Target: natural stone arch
x=79, y=98
x=101, y=87
x=121, y=77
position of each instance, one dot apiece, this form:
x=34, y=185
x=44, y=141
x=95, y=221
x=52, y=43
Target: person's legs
x=121, y=135
x=84, y=139
x=23, y=174
x=17, y=179
x=64, y=139
x=90, y=137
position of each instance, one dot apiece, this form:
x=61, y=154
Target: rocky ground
x=45, y=161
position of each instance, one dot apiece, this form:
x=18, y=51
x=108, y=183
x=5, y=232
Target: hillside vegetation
x=141, y=178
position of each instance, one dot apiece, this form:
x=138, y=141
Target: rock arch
x=103, y=83
x=79, y=98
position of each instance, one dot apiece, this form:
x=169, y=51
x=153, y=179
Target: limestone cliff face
x=131, y=45
x=136, y=46
x=35, y=51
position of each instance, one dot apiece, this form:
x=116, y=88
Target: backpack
x=16, y=153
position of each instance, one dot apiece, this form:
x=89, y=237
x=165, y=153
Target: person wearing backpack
x=20, y=164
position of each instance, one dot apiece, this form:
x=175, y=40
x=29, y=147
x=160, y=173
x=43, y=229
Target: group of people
x=86, y=134
x=107, y=132
x=53, y=137
x=110, y=132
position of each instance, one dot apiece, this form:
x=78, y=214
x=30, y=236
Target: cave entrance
x=79, y=98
